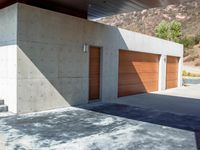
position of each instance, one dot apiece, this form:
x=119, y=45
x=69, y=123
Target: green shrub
x=197, y=39
x=161, y=30
x=185, y=73
x=169, y=30
x=175, y=31
x=186, y=52
x=188, y=41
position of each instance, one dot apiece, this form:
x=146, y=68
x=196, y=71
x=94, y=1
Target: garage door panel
x=151, y=86
x=137, y=63
x=135, y=78
x=137, y=56
x=147, y=86
x=172, y=84
x=172, y=76
x=149, y=59
x=172, y=68
x=132, y=89
x=137, y=60
x=131, y=68
x=126, y=82
x=172, y=72
x=138, y=73
x=172, y=59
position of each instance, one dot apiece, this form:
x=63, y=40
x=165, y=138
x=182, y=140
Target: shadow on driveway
x=184, y=122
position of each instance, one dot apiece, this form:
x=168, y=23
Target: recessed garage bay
x=138, y=72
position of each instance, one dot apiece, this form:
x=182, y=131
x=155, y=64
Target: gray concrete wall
x=52, y=67
x=8, y=25
x=8, y=56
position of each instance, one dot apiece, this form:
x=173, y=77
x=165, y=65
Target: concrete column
x=162, y=73
x=180, y=69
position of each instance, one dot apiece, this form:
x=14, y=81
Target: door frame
x=100, y=74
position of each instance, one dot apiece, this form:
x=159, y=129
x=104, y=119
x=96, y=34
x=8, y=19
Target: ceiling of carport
x=102, y=8
x=93, y=9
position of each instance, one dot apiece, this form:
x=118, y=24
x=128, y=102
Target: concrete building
x=52, y=60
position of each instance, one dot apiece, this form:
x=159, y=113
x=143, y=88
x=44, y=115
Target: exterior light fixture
x=85, y=48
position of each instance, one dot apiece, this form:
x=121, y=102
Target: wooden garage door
x=138, y=73
x=172, y=72
x=94, y=73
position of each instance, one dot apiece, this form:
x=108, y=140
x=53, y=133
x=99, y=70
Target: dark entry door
x=94, y=73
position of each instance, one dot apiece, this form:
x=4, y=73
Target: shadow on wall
x=53, y=71
x=165, y=118
x=56, y=75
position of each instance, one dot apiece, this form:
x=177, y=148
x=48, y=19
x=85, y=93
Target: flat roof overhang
x=93, y=9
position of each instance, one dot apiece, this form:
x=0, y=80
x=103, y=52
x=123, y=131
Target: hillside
x=145, y=22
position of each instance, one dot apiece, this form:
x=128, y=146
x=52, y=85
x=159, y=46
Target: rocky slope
x=145, y=22
x=192, y=60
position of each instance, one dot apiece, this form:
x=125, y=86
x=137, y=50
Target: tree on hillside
x=169, y=30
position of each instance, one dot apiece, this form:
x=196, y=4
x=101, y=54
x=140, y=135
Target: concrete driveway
x=143, y=122
x=184, y=100
x=100, y=126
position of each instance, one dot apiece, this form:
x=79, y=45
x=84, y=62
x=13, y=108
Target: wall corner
x=162, y=73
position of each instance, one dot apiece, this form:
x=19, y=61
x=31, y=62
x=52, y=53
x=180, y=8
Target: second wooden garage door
x=138, y=73
x=172, y=72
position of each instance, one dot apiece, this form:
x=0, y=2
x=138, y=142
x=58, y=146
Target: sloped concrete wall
x=8, y=56
x=52, y=67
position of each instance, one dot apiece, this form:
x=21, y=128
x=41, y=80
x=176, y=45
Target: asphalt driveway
x=100, y=126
